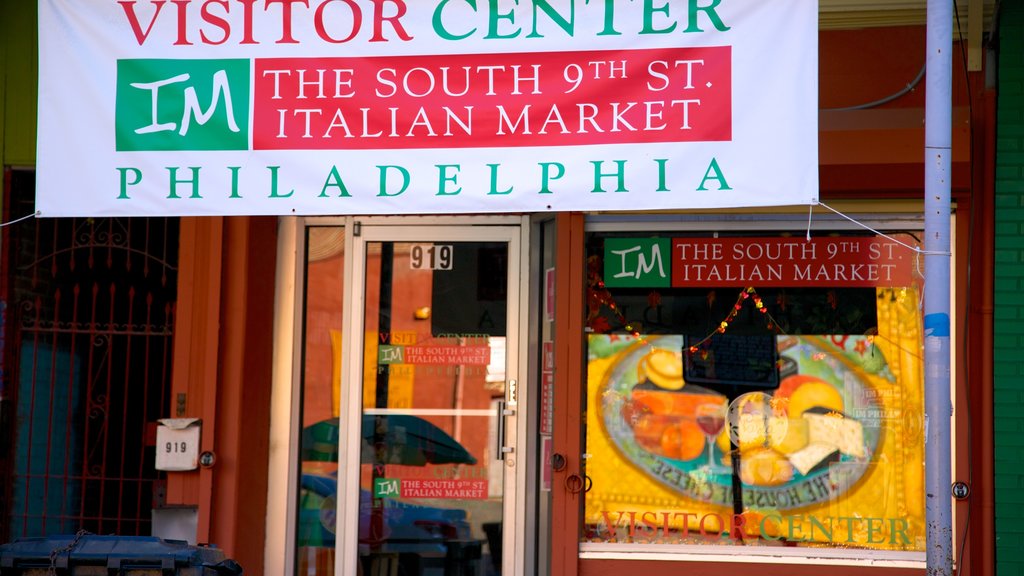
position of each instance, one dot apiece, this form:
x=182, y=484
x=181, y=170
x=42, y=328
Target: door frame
x=283, y=481
x=371, y=230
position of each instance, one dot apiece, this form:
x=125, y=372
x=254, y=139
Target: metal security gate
x=88, y=314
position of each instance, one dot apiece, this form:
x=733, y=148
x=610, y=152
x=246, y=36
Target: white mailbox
x=177, y=444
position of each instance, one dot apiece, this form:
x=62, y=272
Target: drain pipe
x=938, y=405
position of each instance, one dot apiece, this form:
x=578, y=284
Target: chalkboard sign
x=736, y=361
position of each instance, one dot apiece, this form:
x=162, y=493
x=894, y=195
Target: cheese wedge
x=836, y=430
x=811, y=455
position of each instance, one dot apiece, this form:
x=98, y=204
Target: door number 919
x=431, y=257
x=176, y=447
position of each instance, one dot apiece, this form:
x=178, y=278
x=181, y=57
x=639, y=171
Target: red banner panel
x=478, y=355
x=456, y=488
x=494, y=100
x=848, y=262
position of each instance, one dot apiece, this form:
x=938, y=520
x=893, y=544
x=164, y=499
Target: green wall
x=1009, y=286
x=19, y=61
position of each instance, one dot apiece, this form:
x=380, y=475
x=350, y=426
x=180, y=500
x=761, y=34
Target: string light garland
x=599, y=296
x=749, y=293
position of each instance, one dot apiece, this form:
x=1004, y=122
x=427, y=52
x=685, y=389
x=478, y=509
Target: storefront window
x=759, y=390
x=321, y=401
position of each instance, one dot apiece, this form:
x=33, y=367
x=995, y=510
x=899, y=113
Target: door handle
x=503, y=411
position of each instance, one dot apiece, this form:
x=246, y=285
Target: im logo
x=387, y=488
x=637, y=262
x=182, y=105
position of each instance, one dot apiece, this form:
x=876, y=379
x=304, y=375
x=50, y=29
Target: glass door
x=434, y=402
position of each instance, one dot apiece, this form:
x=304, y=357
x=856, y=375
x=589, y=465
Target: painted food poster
x=830, y=452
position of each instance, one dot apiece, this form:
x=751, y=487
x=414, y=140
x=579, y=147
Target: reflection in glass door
x=437, y=405
x=317, y=477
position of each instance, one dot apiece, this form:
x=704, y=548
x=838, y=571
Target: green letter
x=546, y=177
x=174, y=182
x=495, y=16
x=609, y=20
x=649, y=9
x=273, y=183
x=872, y=530
x=712, y=15
x=125, y=183
x=619, y=174
x=850, y=526
x=902, y=531
x=234, y=181
x=384, y=180
x=764, y=534
x=566, y=25
x=794, y=528
x=334, y=179
x=815, y=523
x=722, y=184
x=494, y=181
x=443, y=178
x=661, y=174
x=439, y=28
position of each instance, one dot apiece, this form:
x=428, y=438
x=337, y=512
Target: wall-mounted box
x=177, y=444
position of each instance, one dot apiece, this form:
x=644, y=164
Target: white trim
x=517, y=340
x=801, y=556
x=278, y=559
x=346, y=556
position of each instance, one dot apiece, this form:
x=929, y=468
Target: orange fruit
x=683, y=441
x=791, y=383
x=649, y=429
x=818, y=394
x=799, y=392
x=675, y=403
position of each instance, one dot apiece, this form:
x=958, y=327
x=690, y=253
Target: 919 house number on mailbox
x=177, y=443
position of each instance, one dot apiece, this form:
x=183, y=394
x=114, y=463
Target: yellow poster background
x=883, y=508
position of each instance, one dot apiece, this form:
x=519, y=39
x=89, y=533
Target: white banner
x=220, y=107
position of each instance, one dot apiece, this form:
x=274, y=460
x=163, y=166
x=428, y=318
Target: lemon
x=664, y=368
x=723, y=442
x=764, y=467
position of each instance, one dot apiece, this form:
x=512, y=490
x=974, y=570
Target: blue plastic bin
x=70, y=555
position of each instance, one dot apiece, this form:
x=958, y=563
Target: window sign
x=841, y=261
x=758, y=416
x=423, y=107
x=726, y=361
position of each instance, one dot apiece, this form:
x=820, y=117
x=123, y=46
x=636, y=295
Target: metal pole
x=938, y=406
